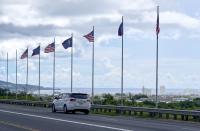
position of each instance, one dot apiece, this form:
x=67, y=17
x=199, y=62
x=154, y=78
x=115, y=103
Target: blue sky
x=26, y=22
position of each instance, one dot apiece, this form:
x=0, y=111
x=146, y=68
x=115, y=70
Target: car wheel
x=86, y=112
x=73, y=112
x=53, y=108
x=65, y=109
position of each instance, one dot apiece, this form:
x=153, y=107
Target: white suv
x=72, y=102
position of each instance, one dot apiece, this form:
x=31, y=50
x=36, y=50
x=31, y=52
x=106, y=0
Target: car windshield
x=79, y=96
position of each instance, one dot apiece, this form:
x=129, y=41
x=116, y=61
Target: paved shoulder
x=42, y=119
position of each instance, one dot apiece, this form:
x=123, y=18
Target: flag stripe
x=50, y=48
x=90, y=36
x=25, y=54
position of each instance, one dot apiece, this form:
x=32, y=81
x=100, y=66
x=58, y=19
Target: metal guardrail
x=153, y=112
x=27, y=103
x=150, y=110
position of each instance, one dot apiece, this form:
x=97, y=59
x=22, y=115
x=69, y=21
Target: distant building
x=142, y=89
x=162, y=90
x=146, y=91
x=180, y=99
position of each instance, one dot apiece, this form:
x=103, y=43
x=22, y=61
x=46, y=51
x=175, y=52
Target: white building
x=162, y=90
x=146, y=91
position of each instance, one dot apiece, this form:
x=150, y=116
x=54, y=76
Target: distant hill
x=21, y=87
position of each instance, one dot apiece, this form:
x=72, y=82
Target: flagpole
x=122, y=66
x=54, y=54
x=7, y=77
x=27, y=75
x=39, y=72
x=16, y=75
x=157, y=62
x=93, y=69
x=157, y=73
x=72, y=65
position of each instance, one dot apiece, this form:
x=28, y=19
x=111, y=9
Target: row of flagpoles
x=68, y=43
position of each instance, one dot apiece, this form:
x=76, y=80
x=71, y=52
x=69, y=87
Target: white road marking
x=188, y=129
x=17, y=126
x=68, y=121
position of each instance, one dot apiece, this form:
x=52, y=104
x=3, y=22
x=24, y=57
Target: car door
x=63, y=100
x=57, y=102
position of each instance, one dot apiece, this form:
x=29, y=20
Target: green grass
x=20, y=97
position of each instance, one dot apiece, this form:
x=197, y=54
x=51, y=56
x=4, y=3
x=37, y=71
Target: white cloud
x=174, y=34
x=105, y=39
x=188, y=22
x=29, y=22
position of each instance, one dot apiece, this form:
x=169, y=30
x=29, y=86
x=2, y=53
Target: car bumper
x=72, y=107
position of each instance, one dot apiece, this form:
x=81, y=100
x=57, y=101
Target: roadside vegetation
x=131, y=100
x=109, y=99
x=7, y=94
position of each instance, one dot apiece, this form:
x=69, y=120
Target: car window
x=65, y=96
x=60, y=96
x=79, y=96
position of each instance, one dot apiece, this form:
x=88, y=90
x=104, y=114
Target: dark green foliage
x=3, y=91
x=197, y=102
x=6, y=94
x=138, y=96
x=130, y=100
x=109, y=99
x=149, y=103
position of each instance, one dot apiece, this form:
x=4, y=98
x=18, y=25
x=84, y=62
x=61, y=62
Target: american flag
x=157, y=23
x=90, y=36
x=25, y=54
x=50, y=48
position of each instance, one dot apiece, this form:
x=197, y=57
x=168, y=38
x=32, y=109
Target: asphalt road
x=24, y=118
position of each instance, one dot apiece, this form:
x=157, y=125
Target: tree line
x=109, y=99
